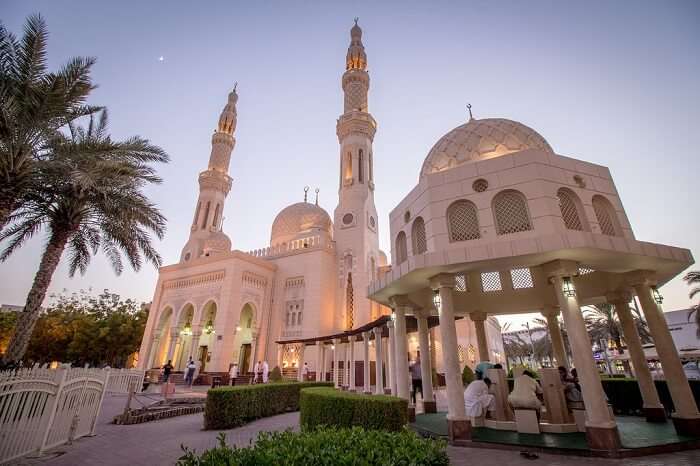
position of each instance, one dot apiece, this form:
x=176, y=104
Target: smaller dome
x=217, y=241
x=298, y=219
x=480, y=140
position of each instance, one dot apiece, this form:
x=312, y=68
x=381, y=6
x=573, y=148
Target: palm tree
x=34, y=104
x=92, y=198
x=693, y=278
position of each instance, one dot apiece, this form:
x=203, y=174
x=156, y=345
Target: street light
x=436, y=300
x=209, y=328
x=657, y=296
x=568, y=288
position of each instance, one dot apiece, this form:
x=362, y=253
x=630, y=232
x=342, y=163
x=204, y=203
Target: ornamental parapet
x=211, y=179
x=296, y=246
x=356, y=122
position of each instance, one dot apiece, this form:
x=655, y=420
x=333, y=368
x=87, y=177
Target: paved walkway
x=158, y=443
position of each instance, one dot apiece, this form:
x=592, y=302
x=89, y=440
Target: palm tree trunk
x=32, y=308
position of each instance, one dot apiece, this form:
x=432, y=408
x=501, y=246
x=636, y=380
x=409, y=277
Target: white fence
x=42, y=408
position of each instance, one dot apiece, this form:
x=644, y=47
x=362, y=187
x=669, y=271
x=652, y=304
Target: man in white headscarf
x=265, y=371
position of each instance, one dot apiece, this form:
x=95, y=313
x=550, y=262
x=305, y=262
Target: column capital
x=390, y=324
x=365, y=336
x=443, y=280
x=377, y=332
x=640, y=277
x=174, y=332
x=319, y=343
x=560, y=269
x=421, y=313
x=478, y=316
x=550, y=311
x=401, y=300
x=619, y=297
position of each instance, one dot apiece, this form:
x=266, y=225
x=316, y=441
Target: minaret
x=206, y=236
x=356, y=224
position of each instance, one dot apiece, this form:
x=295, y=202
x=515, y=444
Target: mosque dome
x=480, y=140
x=298, y=219
x=217, y=241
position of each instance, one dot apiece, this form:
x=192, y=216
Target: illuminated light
x=436, y=300
x=568, y=288
x=656, y=295
x=187, y=329
x=209, y=328
x=393, y=315
x=238, y=328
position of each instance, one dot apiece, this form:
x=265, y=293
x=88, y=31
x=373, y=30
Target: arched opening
x=510, y=212
x=605, y=214
x=162, y=331
x=206, y=215
x=207, y=322
x=361, y=167
x=347, y=170
x=463, y=221
x=420, y=243
x=571, y=210
x=401, y=252
x=243, y=343
x=184, y=326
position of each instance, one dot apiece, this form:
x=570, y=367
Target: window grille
x=401, y=253
x=491, y=281
x=420, y=244
x=471, y=352
x=569, y=209
x=349, y=304
x=461, y=283
x=461, y=353
x=583, y=270
x=480, y=185
x=522, y=279
x=360, y=167
x=605, y=215
x=510, y=211
x=463, y=221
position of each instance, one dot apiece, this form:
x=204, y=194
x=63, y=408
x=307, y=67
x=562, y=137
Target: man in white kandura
x=477, y=399
x=265, y=371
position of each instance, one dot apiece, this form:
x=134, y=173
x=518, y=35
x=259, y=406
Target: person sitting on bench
x=526, y=393
x=477, y=399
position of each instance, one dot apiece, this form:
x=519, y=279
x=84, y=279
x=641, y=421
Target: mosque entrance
x=203, y=354
x=244, y=362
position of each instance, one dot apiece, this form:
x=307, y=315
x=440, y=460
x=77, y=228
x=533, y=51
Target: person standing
x=305, y=372
x=477, y=399
x=416, y=379
x=189, y=376
x=265, y=371
x=257, y=372
x=233, y=374
x=167, y=369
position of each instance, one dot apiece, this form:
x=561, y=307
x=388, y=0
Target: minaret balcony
x=356, y=122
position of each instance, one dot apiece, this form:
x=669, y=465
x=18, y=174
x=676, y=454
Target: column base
x=655, y=414
x=411, y=413
x=387, y=391
x=367, y=393
x=689, y=426
x=429, y=407
x=603, y=438
x=459, y=429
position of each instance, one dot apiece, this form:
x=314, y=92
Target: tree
x=34, y=104
x=92, y=199
x=693, y=278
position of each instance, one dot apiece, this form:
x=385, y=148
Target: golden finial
x=235, y=85
x=356, y=20
x=317, y=190
x=469, y=107
x=306, y=190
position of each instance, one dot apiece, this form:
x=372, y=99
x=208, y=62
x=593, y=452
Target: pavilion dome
x=480, y=140
x=299, y=219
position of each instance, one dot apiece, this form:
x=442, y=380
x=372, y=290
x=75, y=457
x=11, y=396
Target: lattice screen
x=461, y=283
x=462, y=221
x=290, y=354
x=480, y=185
x=491, y=281
x=461, y=353
x=401, y=252
x=604, y=214
x=510, y=210
x=583, y=270
x=522, y=279
x=349, y=305
x=471, y=353
x=420, y=244
x=569, y=210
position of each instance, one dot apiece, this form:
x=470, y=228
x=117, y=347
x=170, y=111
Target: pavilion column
x=365, y=366
x=196, y=335
x=344, y=381
x=174, y=340
x=482, y=343
x=426, y=369
x=324, y=364
x=336, y=372
x=351, y=340
x=458, y=425
x=686, y=418
x=378, y=389
x=601, y=429
x=155, y=347
x=300, y=363
x=402, y=306
x=653, y=409
x=556, y=337
x=391, y=357
x=319, y=360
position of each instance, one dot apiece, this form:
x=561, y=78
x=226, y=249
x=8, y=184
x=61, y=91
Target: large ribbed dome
x=299, y=218
x=480, y=140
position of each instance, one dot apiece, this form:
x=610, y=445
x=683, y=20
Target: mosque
x=498, y=223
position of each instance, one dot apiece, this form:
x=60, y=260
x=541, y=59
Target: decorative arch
x=463, y=221
x=207, y=316
x=571, y=210
x=606, y=216
x=247, y=317
x=510, y=212
x=188, y=309
x=418, y=237
x=401, y=250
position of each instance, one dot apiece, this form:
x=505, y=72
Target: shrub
x=467, y=375
x=229, y=407
x=343, y=447
x=625, y=397
x=276, y=374
x=329, y=407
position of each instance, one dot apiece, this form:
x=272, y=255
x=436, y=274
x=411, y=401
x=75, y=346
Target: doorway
x=244, y=362
x=203, y=353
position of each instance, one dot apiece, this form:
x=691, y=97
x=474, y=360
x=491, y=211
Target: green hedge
x=342, y=447
x=467, y=375
x=330, y=407
x=625, y=397
x=229, y=407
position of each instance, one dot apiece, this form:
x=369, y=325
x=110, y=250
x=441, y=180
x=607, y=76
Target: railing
x=311, y=242
x=42, y=408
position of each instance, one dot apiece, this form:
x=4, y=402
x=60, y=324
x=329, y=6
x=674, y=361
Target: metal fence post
x=62, y=375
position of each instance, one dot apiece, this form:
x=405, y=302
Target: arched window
x=196, y=213
x=299, y=318
x=401, y=253
x=294, y=318
x=371, y=169
x=420, y=245
x=349, y=304
x=462, y=221
x=605, y=214
x=206, y=215
x=215, y=222
x=373, y=267
x=348, y=167
x=571, y=211
x=510, y=212
x=361, y=167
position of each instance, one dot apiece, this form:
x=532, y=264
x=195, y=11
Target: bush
x=276, y=374
x=625, y=397
x=467, y=375
x=343, y=447
x=330, y=407
x=229, y=407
